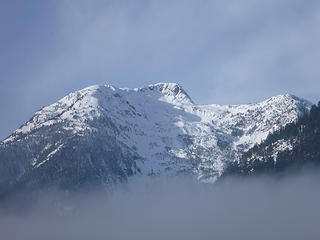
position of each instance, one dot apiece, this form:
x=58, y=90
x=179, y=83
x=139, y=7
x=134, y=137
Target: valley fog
x=236, y=208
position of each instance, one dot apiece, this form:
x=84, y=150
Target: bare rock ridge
x=103, y=135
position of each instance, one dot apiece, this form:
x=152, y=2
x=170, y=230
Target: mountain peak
x=167, y=85
x=172, y=92
x=287, y=98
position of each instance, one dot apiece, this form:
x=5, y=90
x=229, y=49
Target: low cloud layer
x=258, y=208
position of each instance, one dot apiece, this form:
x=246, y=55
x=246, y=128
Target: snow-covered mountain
x=105, y=134
x=291, y=148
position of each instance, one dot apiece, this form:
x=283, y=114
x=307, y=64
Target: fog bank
x=257, y=208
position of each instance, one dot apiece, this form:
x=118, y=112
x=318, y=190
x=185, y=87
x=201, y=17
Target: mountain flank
x=103, y=135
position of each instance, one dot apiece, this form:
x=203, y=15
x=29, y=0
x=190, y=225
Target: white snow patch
x=49, y=155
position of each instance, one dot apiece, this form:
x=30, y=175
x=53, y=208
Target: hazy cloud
x=260, y=208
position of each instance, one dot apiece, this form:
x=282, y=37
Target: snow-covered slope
x=158, y=130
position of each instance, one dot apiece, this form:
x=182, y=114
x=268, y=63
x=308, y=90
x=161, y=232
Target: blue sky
x=224, y=52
